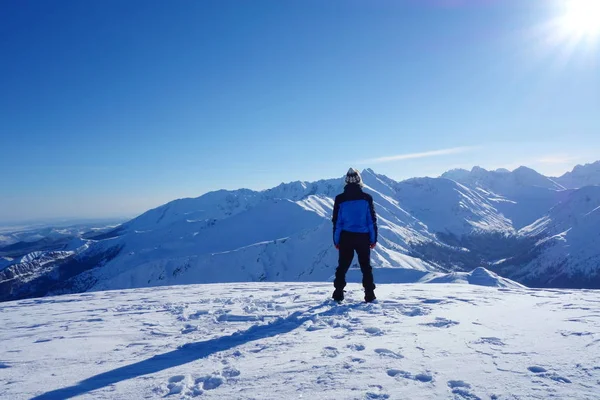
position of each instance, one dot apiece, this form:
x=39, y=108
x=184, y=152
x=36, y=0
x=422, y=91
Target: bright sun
x=581, y=18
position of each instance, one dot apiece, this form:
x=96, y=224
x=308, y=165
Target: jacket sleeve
x=337, y=229
x=372, y=221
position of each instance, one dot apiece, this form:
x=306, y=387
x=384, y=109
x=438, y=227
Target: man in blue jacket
x=354, y=229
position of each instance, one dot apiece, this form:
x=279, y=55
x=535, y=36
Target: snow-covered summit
x=287, y=340
x=580, y=209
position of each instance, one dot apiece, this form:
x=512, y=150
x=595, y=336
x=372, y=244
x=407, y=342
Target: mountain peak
x=502, y=181
x=457, y=174
x=580, y=167
x=459, y=170
x=524, y=169
x=368, y=171
x=580, y=176
x=478, y=170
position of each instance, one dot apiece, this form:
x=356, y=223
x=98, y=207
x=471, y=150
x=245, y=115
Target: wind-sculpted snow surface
x=283, y=341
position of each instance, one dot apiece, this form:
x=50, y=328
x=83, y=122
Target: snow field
x=288, y=340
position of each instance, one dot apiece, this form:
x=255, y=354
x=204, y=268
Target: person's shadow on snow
x=193, y=351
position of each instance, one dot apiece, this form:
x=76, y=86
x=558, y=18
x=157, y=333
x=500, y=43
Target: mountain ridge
x=491, y=219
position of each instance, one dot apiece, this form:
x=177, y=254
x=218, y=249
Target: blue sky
x=109, y=108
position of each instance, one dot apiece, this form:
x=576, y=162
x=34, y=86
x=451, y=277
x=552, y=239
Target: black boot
x=338, y=295
x=370, y=296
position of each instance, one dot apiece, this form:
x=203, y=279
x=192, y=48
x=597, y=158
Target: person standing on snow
x=354, y=229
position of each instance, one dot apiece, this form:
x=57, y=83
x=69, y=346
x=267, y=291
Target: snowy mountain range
x=533, y=229
x=51, y=235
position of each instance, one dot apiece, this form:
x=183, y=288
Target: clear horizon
x=111, y=108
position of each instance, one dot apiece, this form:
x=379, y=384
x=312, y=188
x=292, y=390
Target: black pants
x=349, y=243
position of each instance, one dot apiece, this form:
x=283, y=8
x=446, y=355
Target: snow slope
x=7, y=240
x=5, y=262
x=282, y=341
x=568, y=238
x=522, y=196
x=449, y=207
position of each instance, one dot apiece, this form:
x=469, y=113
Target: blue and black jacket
x=353, y=211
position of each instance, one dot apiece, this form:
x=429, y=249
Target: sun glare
x=581, y=18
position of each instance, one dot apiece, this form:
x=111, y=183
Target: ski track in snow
x=280, y=341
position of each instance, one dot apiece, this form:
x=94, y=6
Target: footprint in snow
x=441, y=323
x=462, y=300
x=330, y=352
x=376, y=396
x=197, y=314
x=458, y=384
x=258, y=348
x=397, y=372
x=423, y=377
x=415, y=312
x=209, y=382
x=543, y=373
x=188, y=329
x=494, y=341
x=431, y=301
x=356, y=346
x=374, y=331
x=237, y=354
x=555, y=377
x=376, y=393
x=179, y=384
x=315, y=327
x=388, y=353
x=176, y=379
x=231, y=372
x=461, y=390
x=536, y=370
x=176, y=385
x=572, y=333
